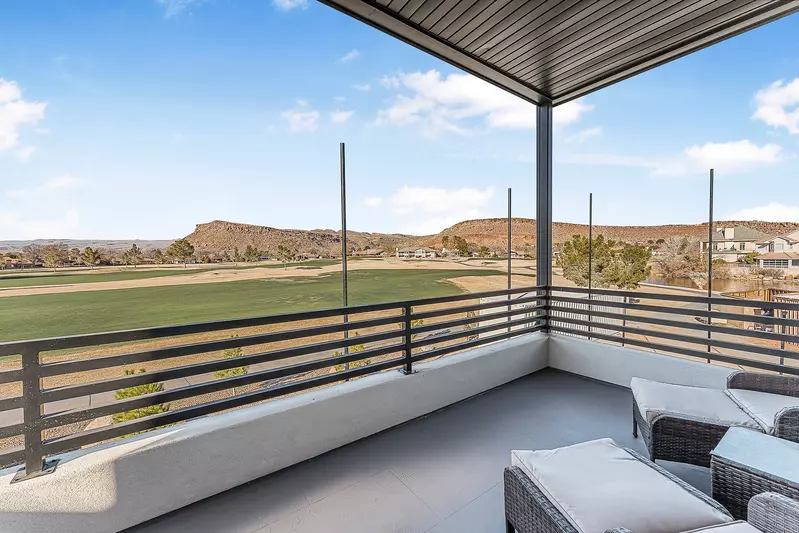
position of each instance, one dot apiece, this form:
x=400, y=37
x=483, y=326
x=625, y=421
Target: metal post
x=710, y=261
x=32, y=415
x=344, y=243
x=543, y=208
x=408, y=337
x=509, y=249
x=590, y=257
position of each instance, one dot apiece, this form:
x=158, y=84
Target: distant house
x=732, y=244
x=782, y=243
x=780, y=260
x=657, y=252
x=370, y=252
x=416, y=253
x=516, y=255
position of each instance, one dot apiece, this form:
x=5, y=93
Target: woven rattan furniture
x=747, y=463
x=768, y=513
x=673, y=436
x=532, y=506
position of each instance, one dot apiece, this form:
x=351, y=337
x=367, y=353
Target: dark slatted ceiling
x=558, y=50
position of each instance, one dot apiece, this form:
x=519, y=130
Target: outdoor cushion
x=733, y=527
x=599, y=486
x=762, y=406
x=655, y=398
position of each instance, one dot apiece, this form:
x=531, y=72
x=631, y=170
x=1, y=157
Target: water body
x=726, y=285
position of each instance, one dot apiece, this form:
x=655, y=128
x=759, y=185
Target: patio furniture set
x=748, y=434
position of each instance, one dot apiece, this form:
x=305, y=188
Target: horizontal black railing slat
x=682, y=311
x=672, y=323
x=11, y=431
x=12, y=456
x=474, y=343
x=84, y=389
x=9, y=376
x=473, y=319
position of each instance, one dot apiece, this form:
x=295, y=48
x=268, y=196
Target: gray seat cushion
x=655, y=398
x=598, y=486
x=762, y=406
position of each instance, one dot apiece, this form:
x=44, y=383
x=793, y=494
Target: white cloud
x=340, y=98
x=340, y=116
x=173, y=8
x=288, y=5
x=301, y=118
x=773, y=212
x=20, y=225
x=583, y=135
x=732, y=157
x=25, y=152
x=451, y=103
x=362, y=87
x=15, y=112
x=726, y=158
x=60, y=183
x=778, y=105
x=428, y=210
x=352, y=55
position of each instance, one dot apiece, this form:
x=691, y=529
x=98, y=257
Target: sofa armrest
x=528, y=509
x=786, y=424
x=771, y=383
x=774, y=513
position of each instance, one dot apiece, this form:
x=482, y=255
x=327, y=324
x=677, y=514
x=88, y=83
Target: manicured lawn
x=52, y=315
x=39, y=278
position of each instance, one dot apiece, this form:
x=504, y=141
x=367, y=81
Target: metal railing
x=408, y=342
x=669, y=319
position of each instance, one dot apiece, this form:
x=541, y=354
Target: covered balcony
x=395, y=416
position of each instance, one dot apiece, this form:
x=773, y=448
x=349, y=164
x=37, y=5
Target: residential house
x=780, y=260
x=370, y=252
x=416, y=253
x=732, y=244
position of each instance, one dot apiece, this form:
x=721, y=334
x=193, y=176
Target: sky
x=141, y=119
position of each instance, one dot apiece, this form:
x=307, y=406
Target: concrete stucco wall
x=618, y=365
x=111, y=487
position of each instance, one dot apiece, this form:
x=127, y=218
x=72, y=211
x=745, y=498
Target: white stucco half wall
x=109, y=488
x=618, y=365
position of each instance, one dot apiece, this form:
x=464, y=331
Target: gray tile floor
x=441, y=473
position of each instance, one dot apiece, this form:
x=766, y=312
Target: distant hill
x=219, y=235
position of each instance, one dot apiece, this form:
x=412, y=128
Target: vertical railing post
x=624, y=324
x=32, y=417
x=408, y=321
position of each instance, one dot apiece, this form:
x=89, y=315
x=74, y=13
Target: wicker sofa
x=528, y=509
x=690, y=437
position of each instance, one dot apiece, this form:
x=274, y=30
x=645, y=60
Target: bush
x=139, y=390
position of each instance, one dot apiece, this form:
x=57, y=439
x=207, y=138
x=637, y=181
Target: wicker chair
x=674, y=437
x=527, y=509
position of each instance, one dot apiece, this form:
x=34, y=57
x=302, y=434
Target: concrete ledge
x=112, y=487
x=618, y=365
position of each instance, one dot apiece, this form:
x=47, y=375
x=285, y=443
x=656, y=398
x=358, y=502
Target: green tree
x=32, y=254
x=232, y=353
x=624, y=268
x=133, y=256
x=236, y=255
x=445, y=241
x=90, y=257
x=750, y=258
x=181, y=250
x=252, y=254
x=54, y=255
x=285, y=254
x=139, y=390
x=74, y=255
x=460, y=245
x=485, y=251
x=158, y=257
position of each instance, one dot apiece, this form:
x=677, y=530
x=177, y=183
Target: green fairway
x=52, y=315
x=39, y=278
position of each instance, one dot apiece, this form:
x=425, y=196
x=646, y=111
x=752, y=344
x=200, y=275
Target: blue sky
x=142, y=119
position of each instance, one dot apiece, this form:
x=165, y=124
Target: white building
x=416, y=253
x=732, y=244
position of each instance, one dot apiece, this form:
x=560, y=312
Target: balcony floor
x=441, y=473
